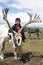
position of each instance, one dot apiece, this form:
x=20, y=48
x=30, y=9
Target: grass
x=33, y=44
x=36, y=45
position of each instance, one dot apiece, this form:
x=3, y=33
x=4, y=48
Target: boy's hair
x=17, y=19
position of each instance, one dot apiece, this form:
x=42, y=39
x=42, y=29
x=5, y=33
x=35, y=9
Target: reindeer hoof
x=19, y=58
x=1, y=56
x=15, y=58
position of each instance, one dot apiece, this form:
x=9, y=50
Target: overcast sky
x=19, y=8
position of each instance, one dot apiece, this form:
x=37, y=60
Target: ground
x=32, y=52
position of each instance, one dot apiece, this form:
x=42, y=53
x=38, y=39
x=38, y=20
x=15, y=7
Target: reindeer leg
x=37, y=34
x=2, y=46
x=14, y=48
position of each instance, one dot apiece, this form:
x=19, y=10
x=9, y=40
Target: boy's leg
x=23, y=36
x=19, y=52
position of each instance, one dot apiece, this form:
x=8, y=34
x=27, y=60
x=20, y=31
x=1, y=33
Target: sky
x=19, y=8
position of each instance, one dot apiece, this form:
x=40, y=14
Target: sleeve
x=13, y=28
x=23, y=35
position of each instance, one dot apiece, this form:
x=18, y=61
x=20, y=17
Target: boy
x=16, y=27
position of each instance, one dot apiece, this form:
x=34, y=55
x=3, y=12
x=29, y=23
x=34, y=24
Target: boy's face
x=17, y=22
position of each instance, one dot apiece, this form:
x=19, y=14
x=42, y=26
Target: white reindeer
x=14, y=35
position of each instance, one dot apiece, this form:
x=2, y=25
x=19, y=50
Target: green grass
x=34, y=44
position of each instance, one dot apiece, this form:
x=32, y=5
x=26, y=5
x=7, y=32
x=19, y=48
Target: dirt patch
x=28, y=58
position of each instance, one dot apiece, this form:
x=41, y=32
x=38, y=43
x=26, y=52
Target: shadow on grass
x=8, y=54
x=26, y=57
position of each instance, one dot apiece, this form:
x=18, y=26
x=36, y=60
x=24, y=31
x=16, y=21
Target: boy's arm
x=13, y=28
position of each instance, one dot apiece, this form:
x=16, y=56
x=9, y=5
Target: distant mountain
x=36, y=25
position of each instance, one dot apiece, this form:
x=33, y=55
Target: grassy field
x=33, y=44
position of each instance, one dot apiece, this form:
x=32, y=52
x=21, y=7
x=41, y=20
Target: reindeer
x=14, y=35
x=34, y=30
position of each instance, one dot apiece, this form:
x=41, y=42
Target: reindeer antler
x=30, y=15
x=5, y=11
x=30, y=21
x=35, y=19
x=35, y=16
